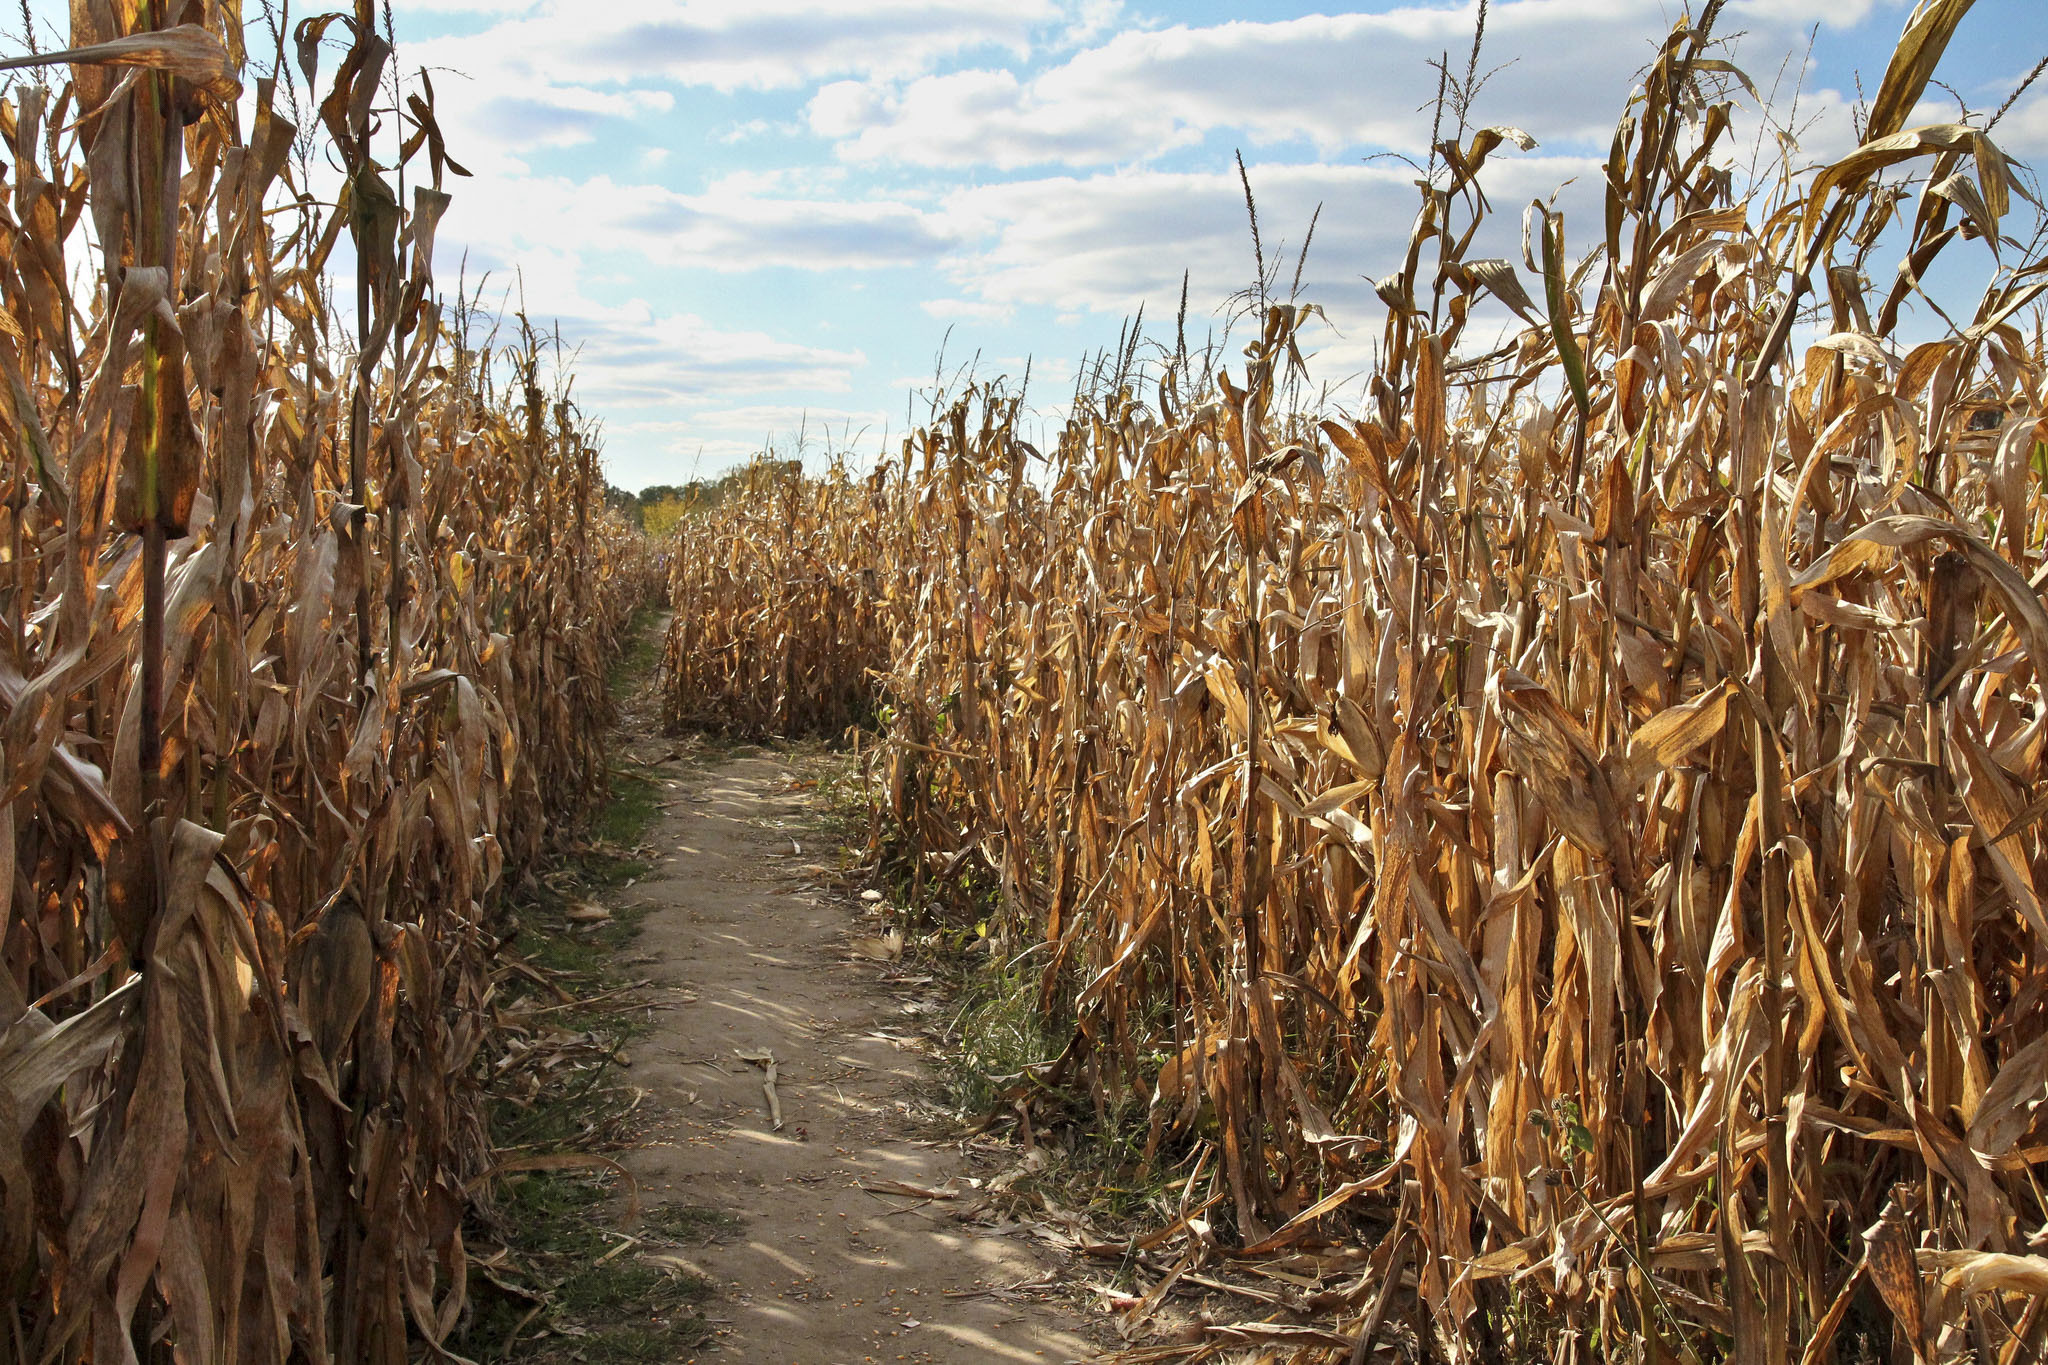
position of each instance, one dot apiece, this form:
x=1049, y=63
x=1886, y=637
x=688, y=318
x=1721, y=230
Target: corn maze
x=1573, y=825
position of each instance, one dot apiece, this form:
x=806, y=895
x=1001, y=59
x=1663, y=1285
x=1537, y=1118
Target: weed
x=997, y=1036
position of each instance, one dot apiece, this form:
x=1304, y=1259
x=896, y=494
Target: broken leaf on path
x=765, y=1059
x=950, y=1190
x=887, y=948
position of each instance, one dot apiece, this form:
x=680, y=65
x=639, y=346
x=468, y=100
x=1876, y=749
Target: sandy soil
x=747, y=954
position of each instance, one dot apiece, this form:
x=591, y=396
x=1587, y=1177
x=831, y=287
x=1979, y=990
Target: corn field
x=1573, y=824
x=305, y=619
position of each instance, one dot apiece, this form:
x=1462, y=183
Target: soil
x=748, y=952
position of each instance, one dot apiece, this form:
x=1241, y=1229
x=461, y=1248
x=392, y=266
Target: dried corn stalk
x=1596, y=788
x=292, y=677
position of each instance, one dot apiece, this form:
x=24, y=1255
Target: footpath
x=844, y=1247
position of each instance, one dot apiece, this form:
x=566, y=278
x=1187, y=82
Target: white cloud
x=563, y=72
x=709, y=438
x=1333, y=81
x=1336, y=80
x=650, y=358
x=762, y=45
x=2024, y=132
x=1094, y=246
x=917, y=100
x=636, y=367
x=493, y=8
x=561, y=115
x=817, y=433
x=951, y=310
x=635, y=353
x=728, y=228
x=634, y=357
x=791, y=417
x=753, y=128
x=1107, y=244
x=1804, y=14
x=703, y=444
x=990, y=118
x=1092, y=19
x=842, y=108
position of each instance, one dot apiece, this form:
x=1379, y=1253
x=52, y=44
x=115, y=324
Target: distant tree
x=659, y=518
x=660, y=506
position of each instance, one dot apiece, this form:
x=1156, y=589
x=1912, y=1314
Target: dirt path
x=747, y=954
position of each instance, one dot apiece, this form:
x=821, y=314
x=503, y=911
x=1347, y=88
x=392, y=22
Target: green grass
x=598, y=1310
x=622, y=822
x=840, y=813
x=582, y=957
x=997, y=1034
x=574, y=1300
x=642, y=655
x=692, y=1224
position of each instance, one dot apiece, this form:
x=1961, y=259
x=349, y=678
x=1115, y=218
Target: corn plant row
x=305, y=619
x=1574, y=824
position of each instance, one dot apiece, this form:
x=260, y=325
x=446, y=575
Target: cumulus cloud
x=763, y=45
x=1097, y=246
x=649, y=371
x=554, y=73
x=638, y=368
x=708, y=439
x=991, y=118
x=633, y=355
x=728, y=228
x=817, y=433
x=2024, y=133
x=645, y=357
x=561, y=115
x=1107, y=244
x=1801, y=14
x=497, y=9
x=1046, y=159
x=1333, y=81
x=975, y=310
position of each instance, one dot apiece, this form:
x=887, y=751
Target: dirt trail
x=747, y=954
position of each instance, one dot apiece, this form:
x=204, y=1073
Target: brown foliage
x=1596, y=788
x=302, y=652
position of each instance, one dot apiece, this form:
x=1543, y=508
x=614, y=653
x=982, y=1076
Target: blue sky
x=763, y=218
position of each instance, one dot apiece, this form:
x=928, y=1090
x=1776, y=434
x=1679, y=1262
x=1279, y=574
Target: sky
x=773, y=222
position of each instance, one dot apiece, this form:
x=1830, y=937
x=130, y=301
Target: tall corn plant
x=1575, y=817
x=249, y=854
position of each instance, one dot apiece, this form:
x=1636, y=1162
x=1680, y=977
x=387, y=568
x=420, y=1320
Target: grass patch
x=618, y=828
x=1092, y=1139
x=692, y=1224
x=570, y=1286
x=841, y=812
x=595, y=1303
x=580, y=954
x=642, y=654
x=996, y=1035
